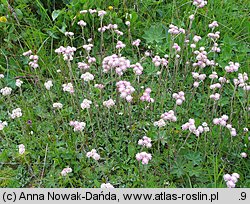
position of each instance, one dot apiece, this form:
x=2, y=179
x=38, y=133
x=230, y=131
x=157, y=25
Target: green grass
x=51, y=144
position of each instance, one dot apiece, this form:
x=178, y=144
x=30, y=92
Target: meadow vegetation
x=125, y=93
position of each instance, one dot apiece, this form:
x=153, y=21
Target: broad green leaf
x=154, y=34
x=55, y=14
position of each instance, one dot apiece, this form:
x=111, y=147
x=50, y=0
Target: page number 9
x=243, y=196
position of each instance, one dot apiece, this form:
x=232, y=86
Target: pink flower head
x=120, y=45
x=144, y=157
x=174, y=30
x=169, y=116
x=120, y=64
x=137, y=68
x=179, y=97
x=213, y=24
x=21, y=149
x=146, y=96
x=176, y=47
x=196, y=38
x=93, y=154
x=106, y=185
x=199, y=3
x=68, y=88
x=109, y=103
x=65, y=171
x=88, y=47
x=86, y=104
x=99, y=86
x=28, y=53
x=83, y=65
x=243, y=155
x=87, y=76
x=67, y=52
x=78, y=126
x=136, y=42
x=82, y=23
x=231, y=180
x=125, y=89
x=145, y=141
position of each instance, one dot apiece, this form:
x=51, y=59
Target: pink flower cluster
x=48, y=84
x=67, y=52
x=146, y=96
x=19, y=83
x=119, y=63
x=136, y=42
x=65, y=171
x=108, y=27
x=157, y=60
x=213, y=75
x=99, y=86
x=241, y=81
x=69, y=34
x=213, y=24
x=125, y=89
x=101, y=13
x=160, y=123
x=231, y=129
x=169, y=116
x=223, y=80
x=233, y=67
x=88, y=47
x=78, y=126
x=145, y=141
x=190, y=125
x=201, y=57
x=3, y=124
x=92, y=11
x=196, y=38
x=86, y=104
x=144, y=157
x=243, y=155
x=119, y=33
x=91, y=60
x=199, y=3
x=57, y=105
x=87, y=76
x=93, y=154
x=120, y=45
x=21, y=148
x=214, y=36
x=201, y=77
x=215, y=48
x=174, y=30
x=231, y=179
x=28, y=53
x=6, y=91
x=137, y=68
x=109, y=103
x=179, y=97
x=83, y=65
x=106, y=185
x=215, y=86
x=68, y=88
x=176, y=47
x=223, y=122
x=16, y=113
x=82, y=23
x=215, y=96
x=34, y=63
